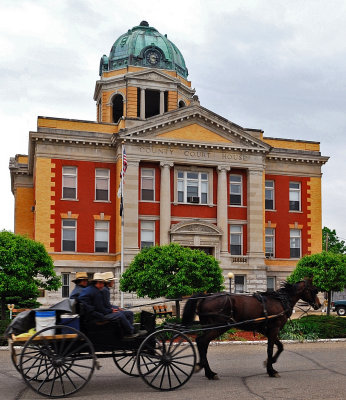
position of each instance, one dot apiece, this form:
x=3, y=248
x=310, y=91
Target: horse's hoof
x=213, y=377
x=274, y=375
x=197, y=368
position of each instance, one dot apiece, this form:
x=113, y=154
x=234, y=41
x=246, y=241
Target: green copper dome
x=144, y=46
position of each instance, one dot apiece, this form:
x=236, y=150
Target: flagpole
x=122, y=223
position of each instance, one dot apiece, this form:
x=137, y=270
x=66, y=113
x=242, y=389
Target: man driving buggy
x=94, y=306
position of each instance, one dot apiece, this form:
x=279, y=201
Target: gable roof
x=196, y=126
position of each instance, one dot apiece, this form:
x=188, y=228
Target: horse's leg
x=202, y=345
x=280, y=349
x=272, y=338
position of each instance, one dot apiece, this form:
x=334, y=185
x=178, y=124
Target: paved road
x=315, y=371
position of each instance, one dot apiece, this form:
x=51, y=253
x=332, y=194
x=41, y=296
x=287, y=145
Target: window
x=118, y=107
x=269, y=195
x=295, y=243
x=65, y=289
x=147, y=184
x=235, y=190
x=271, y=283
x=147, y=234
x=192, y=187
x=294, y=196
x=69, y=182
x=101, y=236
x=239, y=283
x=236, y=239
x=69, y=234
x=102, y=184
x=269, y=242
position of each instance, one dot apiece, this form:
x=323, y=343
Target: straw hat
x=108, y=276
x=98, y=277
x=80, y=276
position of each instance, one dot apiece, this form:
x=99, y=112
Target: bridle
x=312, y=291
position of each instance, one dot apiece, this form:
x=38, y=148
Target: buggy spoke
x=53, y=382
x=157, y=372
x=61, y=381
x=181, y=370
x=68, y=377
x=176, y=376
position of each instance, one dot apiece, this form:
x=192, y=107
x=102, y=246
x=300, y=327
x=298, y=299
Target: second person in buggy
x=93, y=302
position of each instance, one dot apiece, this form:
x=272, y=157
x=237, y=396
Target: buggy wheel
x=166, y=359
x=58, y=365
x=125, y=360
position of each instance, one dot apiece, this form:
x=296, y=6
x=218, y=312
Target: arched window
x=118, y=107
x=99, y=109
x=181, y=104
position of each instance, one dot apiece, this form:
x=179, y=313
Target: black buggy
x=61, y=364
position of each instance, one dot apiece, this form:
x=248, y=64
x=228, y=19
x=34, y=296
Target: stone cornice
x=297, y=157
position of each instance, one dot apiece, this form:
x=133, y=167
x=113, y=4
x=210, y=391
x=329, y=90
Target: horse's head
x=309, y=293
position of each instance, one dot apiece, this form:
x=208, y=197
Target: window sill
x=296, y=211
x=192, y=204
x=62, y=199
x=82, y=253
x=102, y=201
x=270, y=209
x=236, y=206
x=149, y=201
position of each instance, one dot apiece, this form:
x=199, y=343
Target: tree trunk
x=177, y=308
x=3, y=308
x=329, y=298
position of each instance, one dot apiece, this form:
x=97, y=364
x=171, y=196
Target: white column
x=222, y=202
x=142, y=110
x=255, y=216
x=131, y=206
x=165, y=202
x=162, y=101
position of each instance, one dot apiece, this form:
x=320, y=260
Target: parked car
x=340, y=307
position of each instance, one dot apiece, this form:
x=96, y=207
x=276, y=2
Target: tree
x=331, y=242
x=327, y=270
x=172, y=271
x=25, y=266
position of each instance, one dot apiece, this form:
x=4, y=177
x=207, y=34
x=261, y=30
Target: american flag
x=122, y=173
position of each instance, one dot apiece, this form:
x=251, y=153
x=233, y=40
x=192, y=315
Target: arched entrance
x=197, y=234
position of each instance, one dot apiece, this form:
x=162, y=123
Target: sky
x=276, y=65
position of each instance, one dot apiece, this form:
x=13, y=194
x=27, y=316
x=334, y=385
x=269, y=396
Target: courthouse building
x=193, y=177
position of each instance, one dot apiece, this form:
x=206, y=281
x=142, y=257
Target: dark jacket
x=92, y=301
x=76, y=292
x=107, y=298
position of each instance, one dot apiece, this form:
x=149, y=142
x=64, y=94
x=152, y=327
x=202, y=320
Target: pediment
x=196, y=126
x=195, y=227
x=151, y=75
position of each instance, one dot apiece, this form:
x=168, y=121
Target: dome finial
x=144, y=23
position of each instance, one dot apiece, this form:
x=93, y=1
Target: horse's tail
x=190, y=309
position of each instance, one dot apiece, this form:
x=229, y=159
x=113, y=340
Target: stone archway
x=199, y=234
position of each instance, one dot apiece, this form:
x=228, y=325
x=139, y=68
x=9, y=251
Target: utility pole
x=329, y=293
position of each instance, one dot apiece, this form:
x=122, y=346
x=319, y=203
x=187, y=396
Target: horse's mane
x=286, y=289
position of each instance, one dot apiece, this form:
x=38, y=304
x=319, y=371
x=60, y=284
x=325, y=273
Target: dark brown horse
x=265, y=313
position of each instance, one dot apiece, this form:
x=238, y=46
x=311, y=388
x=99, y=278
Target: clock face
x=152, y=57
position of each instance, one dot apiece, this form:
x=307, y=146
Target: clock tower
x=143, y=76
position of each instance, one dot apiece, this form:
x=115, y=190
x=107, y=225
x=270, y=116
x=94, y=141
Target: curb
x=247, y=343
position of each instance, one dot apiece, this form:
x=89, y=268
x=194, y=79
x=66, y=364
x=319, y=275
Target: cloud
x=268, y=64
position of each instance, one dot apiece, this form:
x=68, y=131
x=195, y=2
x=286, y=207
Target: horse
x=265, y=312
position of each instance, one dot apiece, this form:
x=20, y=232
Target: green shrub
x=314, y=327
